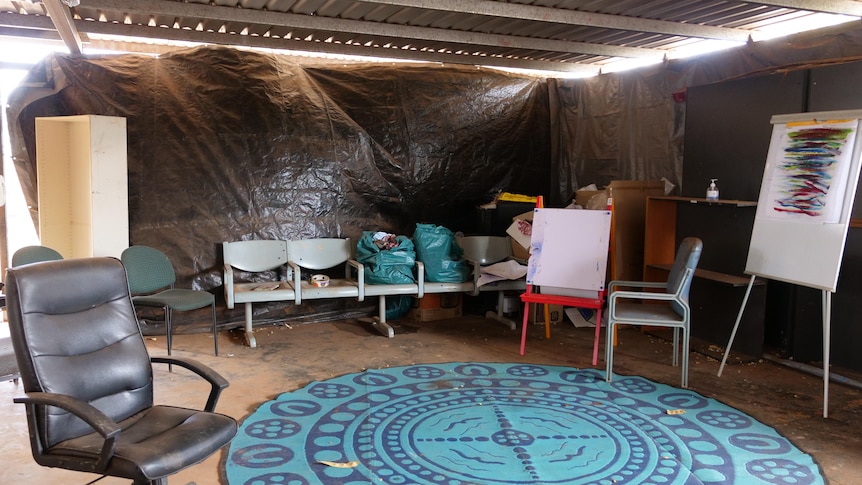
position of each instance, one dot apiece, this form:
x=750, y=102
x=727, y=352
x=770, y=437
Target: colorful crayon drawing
x=811, y=173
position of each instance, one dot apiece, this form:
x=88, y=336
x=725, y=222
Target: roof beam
x=574, y=17
x=334, y=25
x=842, y=7
x=238, y=40
x=62, y=18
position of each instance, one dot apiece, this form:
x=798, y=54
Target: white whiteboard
x=806, y=197
x=569, y=248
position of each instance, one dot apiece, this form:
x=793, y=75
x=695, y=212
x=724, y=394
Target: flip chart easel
x=803, y=212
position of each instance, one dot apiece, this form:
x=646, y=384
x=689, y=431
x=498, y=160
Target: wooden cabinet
x=720, y=283
x=82, y=185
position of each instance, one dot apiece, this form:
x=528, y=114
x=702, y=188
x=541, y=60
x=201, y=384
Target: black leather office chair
x=88, y=377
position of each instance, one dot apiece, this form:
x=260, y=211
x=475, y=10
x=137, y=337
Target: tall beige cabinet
x=83, y=185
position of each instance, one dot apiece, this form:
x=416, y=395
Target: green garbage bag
x=391, y=263
x=439, y=252
x=386, y=265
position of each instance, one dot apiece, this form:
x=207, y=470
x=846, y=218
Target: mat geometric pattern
x=482, y=423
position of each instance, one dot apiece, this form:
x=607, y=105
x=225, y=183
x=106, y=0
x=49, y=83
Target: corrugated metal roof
x=562, y=35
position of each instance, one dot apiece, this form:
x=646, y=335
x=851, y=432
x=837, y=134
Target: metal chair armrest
x=636, y=284
x=360, y=276
x=297, y=281
x=228, y=286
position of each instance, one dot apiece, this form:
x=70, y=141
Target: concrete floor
x=288, y=358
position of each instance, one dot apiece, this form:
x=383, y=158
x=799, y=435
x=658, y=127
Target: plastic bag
x=443, y=258
x=386, y=266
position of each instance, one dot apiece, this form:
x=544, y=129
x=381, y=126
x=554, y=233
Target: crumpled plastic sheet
x=226, y=144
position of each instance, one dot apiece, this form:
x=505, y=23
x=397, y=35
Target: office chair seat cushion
x=157, y=442
x=178, y=299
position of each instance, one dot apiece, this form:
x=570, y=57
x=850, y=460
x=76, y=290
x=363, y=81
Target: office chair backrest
x=148, y=269
x=34, y=254
x=74, y=332
x=687, y=257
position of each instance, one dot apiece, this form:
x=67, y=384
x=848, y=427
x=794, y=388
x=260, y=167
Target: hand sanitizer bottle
x=712, y=191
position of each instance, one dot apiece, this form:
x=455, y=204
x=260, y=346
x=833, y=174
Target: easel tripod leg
x=736, y=325
x=827, y=325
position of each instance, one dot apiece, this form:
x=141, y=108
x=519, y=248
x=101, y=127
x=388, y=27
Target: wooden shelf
x=728, y=279
x=696, y=200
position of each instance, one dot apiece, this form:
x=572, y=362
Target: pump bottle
x=712, y=190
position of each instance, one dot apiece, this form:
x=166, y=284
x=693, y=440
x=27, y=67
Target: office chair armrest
x=215, y=379
x=97, y=420
x=636, y=284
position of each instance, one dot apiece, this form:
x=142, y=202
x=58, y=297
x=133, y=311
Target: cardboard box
x=537, y=313
x=585, y=199
x=628, y=222
x=435, y=306
x=520, y=241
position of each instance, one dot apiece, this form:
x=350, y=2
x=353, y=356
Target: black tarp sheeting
x=225, y=144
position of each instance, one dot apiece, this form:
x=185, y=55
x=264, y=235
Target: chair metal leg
x=675, y=346
x=249, y=329
x=215, y=330
x=609, y=351
x=169, y=334
x=168, y=329
x=686, y=342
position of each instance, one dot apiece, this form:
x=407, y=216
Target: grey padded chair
x=657, y=308
x=88, y=378
x=34, y=254
x=151, y=280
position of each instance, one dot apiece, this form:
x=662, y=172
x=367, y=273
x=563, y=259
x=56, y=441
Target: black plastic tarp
x=226, y=144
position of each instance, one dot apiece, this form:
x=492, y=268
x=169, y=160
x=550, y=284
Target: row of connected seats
x=290, y=265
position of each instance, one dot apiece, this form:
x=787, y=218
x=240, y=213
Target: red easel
x=566, y=301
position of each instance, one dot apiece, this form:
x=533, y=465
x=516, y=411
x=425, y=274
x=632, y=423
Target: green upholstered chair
x=151, y=279
x=34, y=254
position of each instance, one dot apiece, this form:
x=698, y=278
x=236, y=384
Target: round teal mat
x=480, y=423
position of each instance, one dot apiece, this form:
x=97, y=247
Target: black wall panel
x=727, y=137
x=727, y=132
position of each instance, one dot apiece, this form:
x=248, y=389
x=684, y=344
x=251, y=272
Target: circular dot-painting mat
x=481, y=423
